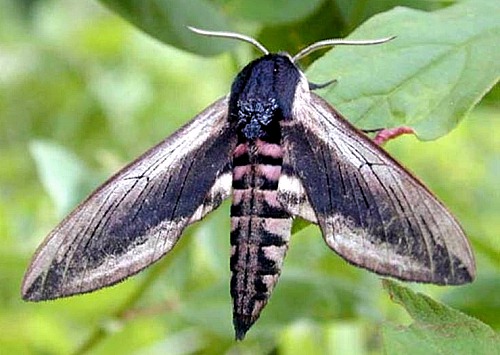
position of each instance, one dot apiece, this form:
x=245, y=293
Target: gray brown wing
x=371, y=210
x=138, y=215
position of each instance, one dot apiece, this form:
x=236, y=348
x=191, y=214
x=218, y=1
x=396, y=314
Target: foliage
x=437, y=329
x=82, y=92
x=425, y=79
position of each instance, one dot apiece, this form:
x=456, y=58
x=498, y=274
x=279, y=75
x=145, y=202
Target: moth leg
x=314, y=86
x=386, y=134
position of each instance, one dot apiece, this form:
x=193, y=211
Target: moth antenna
x=335, y=42
x=232, y=35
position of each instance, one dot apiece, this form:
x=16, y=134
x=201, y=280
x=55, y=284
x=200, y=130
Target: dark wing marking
x=371, y=210
x=138, y=215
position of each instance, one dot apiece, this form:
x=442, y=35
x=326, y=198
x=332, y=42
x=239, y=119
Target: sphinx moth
x=281, y=152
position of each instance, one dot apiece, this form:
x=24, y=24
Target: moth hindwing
x=283, y=152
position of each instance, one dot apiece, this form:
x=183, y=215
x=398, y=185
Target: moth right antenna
x=336, y=42
x=232, y=35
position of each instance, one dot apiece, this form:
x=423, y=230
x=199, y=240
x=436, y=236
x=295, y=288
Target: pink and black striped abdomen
x=261, y=97
x=260, y=230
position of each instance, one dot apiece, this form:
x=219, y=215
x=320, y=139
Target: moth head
x=274, y=75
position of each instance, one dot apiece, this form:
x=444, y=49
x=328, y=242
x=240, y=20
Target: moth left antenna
x=336, y=42
x=232, y=35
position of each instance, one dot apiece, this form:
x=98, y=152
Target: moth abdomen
x=261, y=98
x=260, y=229
x=258, y=247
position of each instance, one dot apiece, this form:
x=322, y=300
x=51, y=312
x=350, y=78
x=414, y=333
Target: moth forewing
x=371, y=210
x=138, y=215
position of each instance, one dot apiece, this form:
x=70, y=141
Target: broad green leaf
x=437, y=329
x=166, y=20
x=354, y=12
x=270, y=12
x=330, y=19
x=63, y=175
x=427, y=79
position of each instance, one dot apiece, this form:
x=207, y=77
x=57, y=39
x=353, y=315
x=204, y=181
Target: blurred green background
x=82, y=92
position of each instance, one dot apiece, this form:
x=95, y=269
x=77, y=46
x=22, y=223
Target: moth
x=281, y=152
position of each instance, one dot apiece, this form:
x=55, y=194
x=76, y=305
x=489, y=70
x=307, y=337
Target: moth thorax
x=256, y=116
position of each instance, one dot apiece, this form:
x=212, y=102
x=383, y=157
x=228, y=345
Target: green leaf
x=271, y=12
x=63, y=175
x=439, y=66
x=437, y=329
x=354, y=12
x=166, y=20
